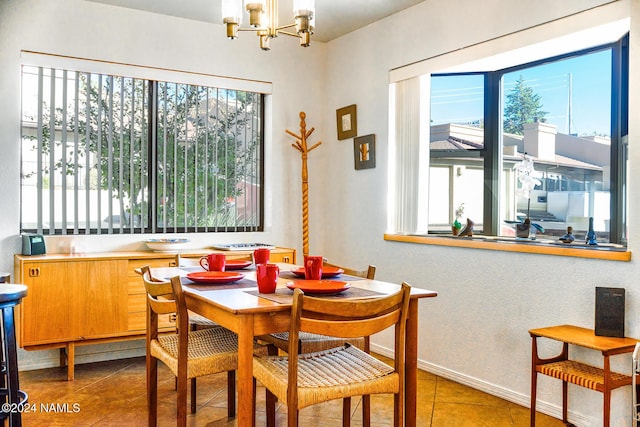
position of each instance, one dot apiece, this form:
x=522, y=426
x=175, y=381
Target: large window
x=567, y=114
x=111, y=154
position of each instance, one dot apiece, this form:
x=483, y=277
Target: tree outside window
x=115, y=154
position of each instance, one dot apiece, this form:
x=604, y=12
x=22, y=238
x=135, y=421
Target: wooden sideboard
x=92, y=298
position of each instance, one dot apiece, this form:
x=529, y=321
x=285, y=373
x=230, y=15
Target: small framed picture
x=364, y=151
x=347, y=122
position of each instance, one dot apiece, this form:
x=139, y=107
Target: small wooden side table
x=570, y=371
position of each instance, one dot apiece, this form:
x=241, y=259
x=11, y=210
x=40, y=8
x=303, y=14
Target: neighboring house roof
x=454, y=143
x=566, y=162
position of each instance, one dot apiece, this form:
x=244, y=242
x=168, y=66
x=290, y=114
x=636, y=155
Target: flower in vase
x=456, y=225
x=528, y=178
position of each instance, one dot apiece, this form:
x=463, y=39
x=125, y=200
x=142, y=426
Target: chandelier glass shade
x=263, y=19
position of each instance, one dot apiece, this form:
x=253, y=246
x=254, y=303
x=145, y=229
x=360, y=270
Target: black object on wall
x=610, y=312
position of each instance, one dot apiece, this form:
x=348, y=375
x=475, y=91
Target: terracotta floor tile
x=114, y=394
x=520, y=417
x=472, y=415
x=452, y=392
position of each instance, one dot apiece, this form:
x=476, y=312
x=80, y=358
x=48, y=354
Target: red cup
x=313, y=267
x=261, y=256
x=267, y=277
x=213, y=262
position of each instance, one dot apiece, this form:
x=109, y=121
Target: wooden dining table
x=239, y=307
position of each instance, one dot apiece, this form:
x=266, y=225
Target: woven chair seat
x=327, y=375
x=199, y=320
x=210, y=350
x=310, y=343
x=579, y=373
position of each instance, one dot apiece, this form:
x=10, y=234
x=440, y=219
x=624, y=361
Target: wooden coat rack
x=301, y=146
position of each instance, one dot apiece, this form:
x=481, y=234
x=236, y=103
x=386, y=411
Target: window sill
x=608, y=252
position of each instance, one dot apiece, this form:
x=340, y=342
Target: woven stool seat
x=578, y=373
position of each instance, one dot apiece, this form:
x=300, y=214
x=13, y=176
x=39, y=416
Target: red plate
x=326, y=272
x=214, y=277
x=319, y=286
x=236, y=264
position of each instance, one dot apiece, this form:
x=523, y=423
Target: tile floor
x=114, y=394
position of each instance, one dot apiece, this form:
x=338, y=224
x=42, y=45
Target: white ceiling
x=335, y=17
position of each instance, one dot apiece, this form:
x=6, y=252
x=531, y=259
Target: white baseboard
x=41, y=359
x=494, y=390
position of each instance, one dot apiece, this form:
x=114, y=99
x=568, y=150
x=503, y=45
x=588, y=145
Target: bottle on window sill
x=591, y=238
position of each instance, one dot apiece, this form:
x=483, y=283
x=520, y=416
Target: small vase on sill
x=524, y=229
x=455, y=227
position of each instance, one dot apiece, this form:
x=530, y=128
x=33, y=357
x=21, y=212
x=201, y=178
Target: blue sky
x=459, y=99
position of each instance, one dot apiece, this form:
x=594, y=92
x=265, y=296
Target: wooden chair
x=196, y=321
x=310, y=343
x=369, y=273
x=302, y=380
x=189, y=354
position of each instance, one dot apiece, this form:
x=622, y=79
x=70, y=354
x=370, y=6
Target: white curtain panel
x=409, y=151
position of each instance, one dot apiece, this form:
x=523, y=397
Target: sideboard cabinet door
x=45, y=312
x=72, y=300
x=100, y=300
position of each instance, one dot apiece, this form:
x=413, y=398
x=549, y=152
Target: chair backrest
x=369, y=273
x=164, y=297
x=156, y=305
x=349, y=318
x=181, y=307
x=158, y=288
x=186, y=262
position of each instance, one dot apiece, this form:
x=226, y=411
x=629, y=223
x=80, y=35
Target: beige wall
x=89, y=30
x=476, y=330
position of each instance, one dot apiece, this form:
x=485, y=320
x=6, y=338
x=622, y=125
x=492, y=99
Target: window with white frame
x=105, y=154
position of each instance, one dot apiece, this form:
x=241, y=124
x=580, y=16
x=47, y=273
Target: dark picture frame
x=347, y=122
x=364, y=152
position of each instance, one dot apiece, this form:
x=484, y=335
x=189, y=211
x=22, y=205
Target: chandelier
x=263, y=19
